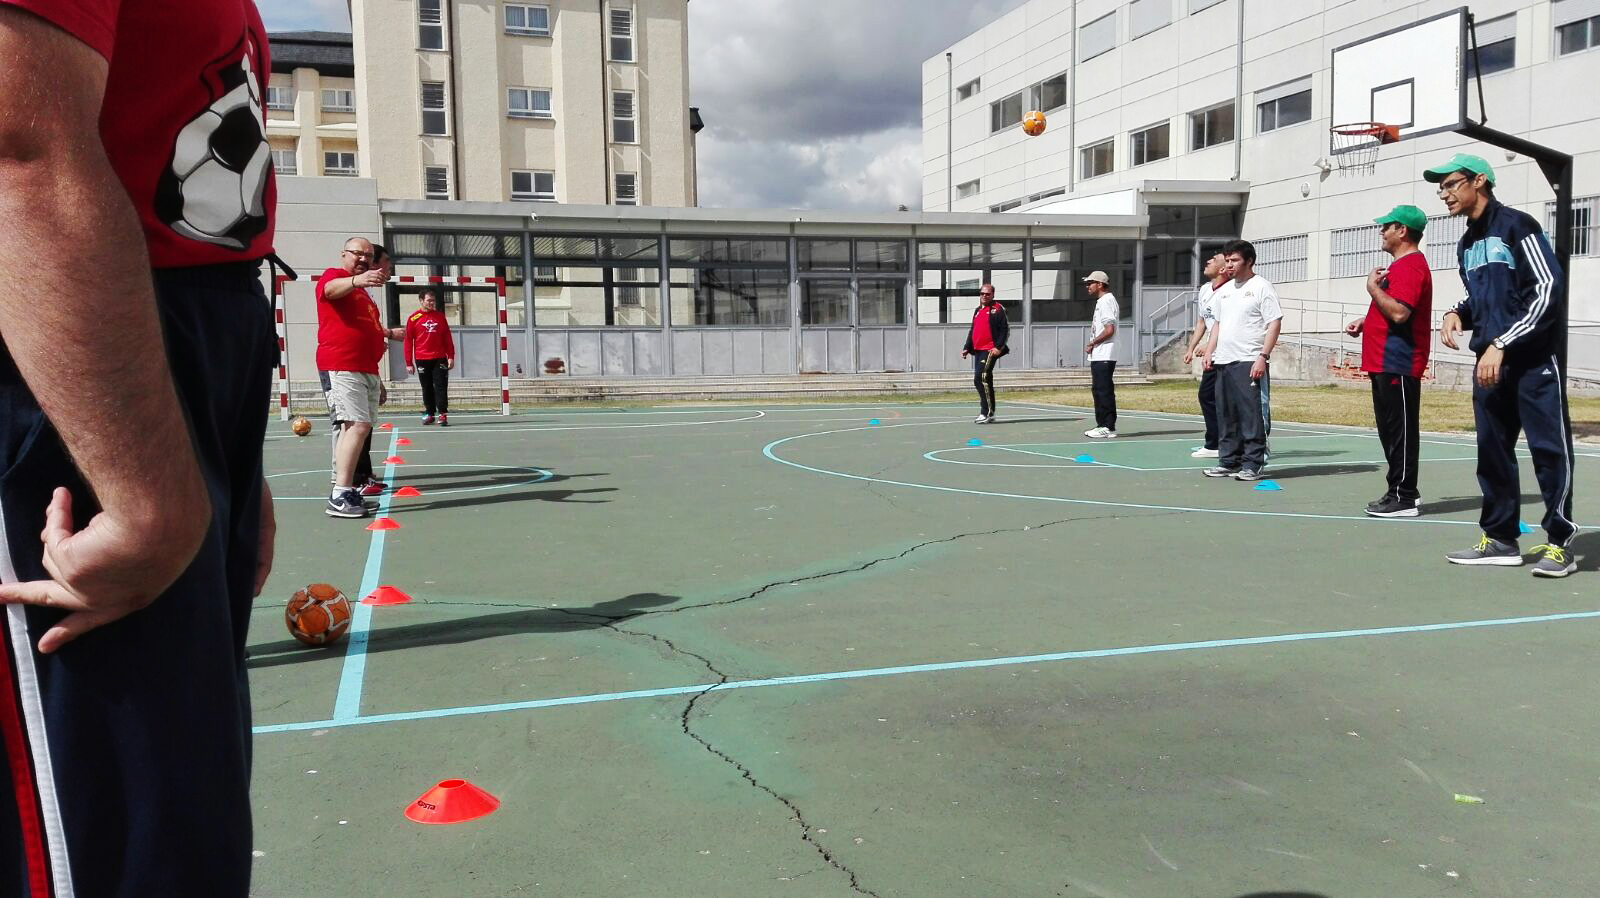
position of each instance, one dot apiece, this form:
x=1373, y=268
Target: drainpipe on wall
x=605, y=110
x=1072, y=102
x=455, y=99
x=949, y=125
x=1238, y=98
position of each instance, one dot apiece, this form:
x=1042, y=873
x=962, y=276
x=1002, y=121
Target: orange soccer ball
x=300, y=425
x=318, y=614
x=1033, y=123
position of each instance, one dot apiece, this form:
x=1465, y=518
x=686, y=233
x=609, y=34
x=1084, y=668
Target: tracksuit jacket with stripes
x=1511, y=276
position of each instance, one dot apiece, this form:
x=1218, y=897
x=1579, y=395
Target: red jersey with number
x=982, y=336
x=428, y=336
x=182, y=119
x=1390, y=348
x=349, y=332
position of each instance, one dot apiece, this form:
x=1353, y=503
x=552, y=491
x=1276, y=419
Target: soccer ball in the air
x=1033, y=123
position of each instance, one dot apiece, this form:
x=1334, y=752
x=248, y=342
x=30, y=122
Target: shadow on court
x=530, y=492
x=1471, y=503
x=1306, y=453
x=1284, y=895
x=470, y=629
x=1291, y=473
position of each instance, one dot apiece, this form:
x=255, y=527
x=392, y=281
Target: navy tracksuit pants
x=1531, y=397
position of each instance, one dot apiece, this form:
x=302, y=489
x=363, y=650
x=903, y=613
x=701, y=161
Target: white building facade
x=1163, y=92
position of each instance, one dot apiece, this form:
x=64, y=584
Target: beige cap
x=1098, y=276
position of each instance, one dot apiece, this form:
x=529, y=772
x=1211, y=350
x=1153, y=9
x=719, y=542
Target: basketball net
x=1356, y=145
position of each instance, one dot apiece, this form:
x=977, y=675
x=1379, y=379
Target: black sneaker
x=1395, y=507
x=1384, y=499
x=1488, y=551
x=347, y=504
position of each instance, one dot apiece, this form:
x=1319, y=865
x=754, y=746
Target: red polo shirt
x=349, y=335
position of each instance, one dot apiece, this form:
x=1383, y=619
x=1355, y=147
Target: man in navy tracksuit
x=1513, y=309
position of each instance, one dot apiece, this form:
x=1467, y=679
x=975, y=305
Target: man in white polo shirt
x=1102, y=355
x=1248, y=319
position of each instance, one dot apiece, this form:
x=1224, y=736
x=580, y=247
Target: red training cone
x=386, y=426
x=384, y=524
x=452, y=801
x=394, y=460
x=407, y=492
x=386, y=595
x=402, y=441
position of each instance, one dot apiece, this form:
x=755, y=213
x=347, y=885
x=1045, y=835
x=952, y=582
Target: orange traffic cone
x=386, y=426
x=394, y=460
x=402, y=441
x=452, y=801
x=407, y=492
x=386, y=595
x=384, y=524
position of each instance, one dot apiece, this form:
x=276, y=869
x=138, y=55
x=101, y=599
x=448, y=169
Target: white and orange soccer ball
x=319, y=614
x=1033, y=123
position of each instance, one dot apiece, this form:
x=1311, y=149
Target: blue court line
x=861, y=674
x=347, y=703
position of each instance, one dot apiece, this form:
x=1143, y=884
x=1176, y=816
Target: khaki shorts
x=353, y=396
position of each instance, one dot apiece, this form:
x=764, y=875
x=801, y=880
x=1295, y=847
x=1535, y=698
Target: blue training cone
x=873, y=423
x=974, y=442
x=1269, y=485
x=1522, y=527
x=1084, y=459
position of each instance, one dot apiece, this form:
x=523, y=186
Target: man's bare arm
x=81, y=324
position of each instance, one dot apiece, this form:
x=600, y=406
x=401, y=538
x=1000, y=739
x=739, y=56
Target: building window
x=1209, y=127
x=1281, y=259
x=1097, y=159
x=1577, y=26
x=280, y=98
x=1151, y=144
x=621, y=35
x=527, y=21
x=1197, y=5
x=338, y=100
x=1356, y=251
x=430, y=25
x=624, y=122
x=1585, y=227
x=1497, y=46
x=534, y=186
x=1098, y=36
x=284, y=162
x=338, y=162
x=1049, y=93
x=627, y=189
x=1005, y=113
x=1145, y=16
x=1284, y=105
x=966, y=189
x=966, y=91
x=1444, y=233
x=435, y=182
x=528, y=102
x=433, y=117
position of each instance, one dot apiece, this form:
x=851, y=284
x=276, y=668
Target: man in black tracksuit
x=986, y=343
x=1514, y=311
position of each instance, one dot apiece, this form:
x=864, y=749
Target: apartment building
x=1152, y=98
x=559, y=101
x=311, y=104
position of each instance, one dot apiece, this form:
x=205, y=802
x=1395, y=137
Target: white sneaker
x=1100, y=433
x=989, y=420
x=1203, y=452
x=982, y=419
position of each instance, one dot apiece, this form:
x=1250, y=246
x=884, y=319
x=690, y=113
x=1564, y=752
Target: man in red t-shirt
x=136, y=187
x=1394, y=353
x=430, y=354
x=350, y=342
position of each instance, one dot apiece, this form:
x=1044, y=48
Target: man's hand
x=1188, y=356
x=1205, y=360
x=1450, y=329
x=104, y=572
x=411, y=369
x=1375, y=281
x=383, y=394
x=265, y=542
x=1354, y=327
x=1488, y=373
x=395, y=333
x=372, y=277
x=963, y=353
x=994, y=353
x=449, y=364
x=1258, y=368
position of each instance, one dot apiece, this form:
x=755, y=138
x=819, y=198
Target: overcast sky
x=811, y=104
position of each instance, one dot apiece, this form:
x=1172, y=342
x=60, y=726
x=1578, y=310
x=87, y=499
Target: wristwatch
x=1497, y=344
x=1265, y=356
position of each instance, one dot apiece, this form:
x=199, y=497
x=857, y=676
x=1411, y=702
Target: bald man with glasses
x=350, y=342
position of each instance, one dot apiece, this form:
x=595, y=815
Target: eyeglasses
x=1453, y=185
x=358, y=254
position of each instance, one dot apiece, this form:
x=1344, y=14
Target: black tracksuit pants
x=1105, y=393
x=435, y=378
x=1395, y=399
x=1208, y=406
x=983, y=378
x=1531, y=397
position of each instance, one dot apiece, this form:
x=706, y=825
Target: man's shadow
x=532, y=619
x=1318, y=471
x=510, y=479
x=1468, y=503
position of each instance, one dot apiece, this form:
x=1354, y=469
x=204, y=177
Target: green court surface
x=840, y=649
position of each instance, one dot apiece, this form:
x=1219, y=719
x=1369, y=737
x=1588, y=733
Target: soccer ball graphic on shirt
x=215, y=187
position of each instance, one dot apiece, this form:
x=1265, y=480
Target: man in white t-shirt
x=1102, y=355
x=1248, y=318
x=1205, y=321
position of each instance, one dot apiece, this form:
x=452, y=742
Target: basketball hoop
x=1356, y=145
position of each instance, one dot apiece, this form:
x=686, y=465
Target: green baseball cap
x=1460, y=162
x=1410, y=216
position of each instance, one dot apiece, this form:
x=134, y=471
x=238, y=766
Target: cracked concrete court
x=823, y=650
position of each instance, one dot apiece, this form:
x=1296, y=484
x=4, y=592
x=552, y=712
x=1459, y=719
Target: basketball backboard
x=1413, y=77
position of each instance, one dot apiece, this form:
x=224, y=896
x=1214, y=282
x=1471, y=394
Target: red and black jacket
x=999, y=328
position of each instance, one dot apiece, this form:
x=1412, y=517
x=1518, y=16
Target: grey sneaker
x=1488, y=551
x=1557, y=562
x=348, y=504
x=1247, y=474
x=1220, y=471
x=1395, y=507
x=1203, y=452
